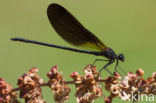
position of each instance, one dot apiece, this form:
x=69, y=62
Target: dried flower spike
x=6, y=94
x=87, y=86
x=56, y=83
x=131, y=86
x=29, y=84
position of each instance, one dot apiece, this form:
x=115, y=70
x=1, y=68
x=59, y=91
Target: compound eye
x=121, y=57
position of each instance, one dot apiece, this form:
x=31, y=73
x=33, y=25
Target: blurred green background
x=129, y=27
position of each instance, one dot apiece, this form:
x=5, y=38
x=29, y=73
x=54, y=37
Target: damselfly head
x=121, y=57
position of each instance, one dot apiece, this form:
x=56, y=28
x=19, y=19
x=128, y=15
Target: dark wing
x=70, y=29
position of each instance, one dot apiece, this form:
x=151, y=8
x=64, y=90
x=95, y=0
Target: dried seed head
x=6, y=94
x=87, y=86
x=29, y=84
x=139, y=72
x=117, y=75
x=56, y=83
x=154, y=76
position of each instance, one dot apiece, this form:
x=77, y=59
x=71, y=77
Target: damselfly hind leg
x=105, y=68
x=99, y=60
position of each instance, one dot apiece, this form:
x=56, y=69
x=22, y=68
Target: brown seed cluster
x=30, y=87
x=131, y=87
x=6, y=94
x=87, y=86
x=56, y=83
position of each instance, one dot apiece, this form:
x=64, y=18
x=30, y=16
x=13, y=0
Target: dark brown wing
x=70, y=29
